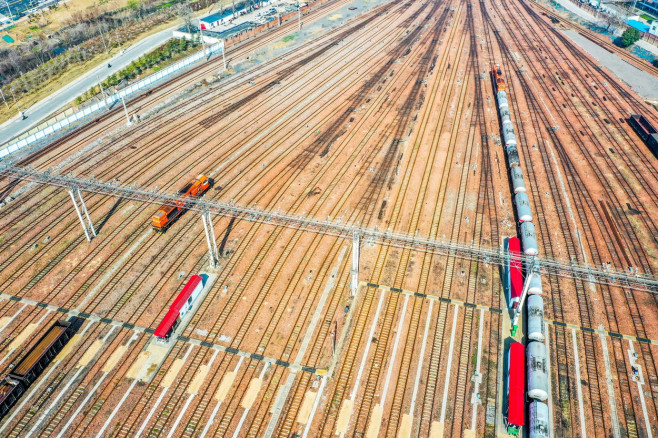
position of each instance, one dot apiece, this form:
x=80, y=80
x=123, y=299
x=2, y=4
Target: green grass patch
x=649, y=18
x=289, y=37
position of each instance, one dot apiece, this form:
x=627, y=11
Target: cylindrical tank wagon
x=518, y=184
x=536, y=363
x=529, y=239
x=509, y=136
x=523, y=207
x=539, y=420
x=535, y=287
x=513, y=156
x=536, y=328
x=501, y=97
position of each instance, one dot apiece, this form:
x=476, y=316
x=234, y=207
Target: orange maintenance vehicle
x=497, y=74
x=168, y=213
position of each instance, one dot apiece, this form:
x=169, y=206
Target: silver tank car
x=536, y=328
x=517, y=179
x=509, y=135
x=535, y=287
x=528, y=237
x=523, y=207
x=539, y=420
x=505, y=116
x=536, y=363
x=513, y=156
x=501, y=97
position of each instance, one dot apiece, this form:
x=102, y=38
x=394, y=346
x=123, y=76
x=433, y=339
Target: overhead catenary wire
x=493, y=255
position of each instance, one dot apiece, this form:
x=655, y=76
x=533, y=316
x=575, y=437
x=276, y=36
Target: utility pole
x=203, y=43
x=11, y=88
x=356, y=248
x=210, y=238
x=9, y=9
x=100, y=29
x=224, y=53
x=102, y=92
x=524, y=294
x=3, y=98
x=633, y=8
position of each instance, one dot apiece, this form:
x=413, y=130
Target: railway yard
x=388, y=120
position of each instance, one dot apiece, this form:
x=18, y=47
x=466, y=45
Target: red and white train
x=181, y=305
x=515, y=388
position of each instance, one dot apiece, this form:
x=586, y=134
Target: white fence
x=18, y=144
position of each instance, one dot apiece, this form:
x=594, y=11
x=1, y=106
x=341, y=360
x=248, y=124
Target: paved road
x=38, y=112
x=643, y=83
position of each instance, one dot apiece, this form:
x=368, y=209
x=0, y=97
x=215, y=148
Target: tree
x=611, y=21
x=184, y=12
x=630, y=36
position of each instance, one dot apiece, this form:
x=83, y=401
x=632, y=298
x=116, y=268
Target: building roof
x=638, y=25
x=175, y=308
x=217, y=16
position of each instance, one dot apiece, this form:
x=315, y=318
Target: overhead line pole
x=643, y=282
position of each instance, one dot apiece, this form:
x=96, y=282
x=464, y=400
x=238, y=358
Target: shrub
x=630, y=36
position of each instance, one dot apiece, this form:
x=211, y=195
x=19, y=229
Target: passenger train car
x=179, y=308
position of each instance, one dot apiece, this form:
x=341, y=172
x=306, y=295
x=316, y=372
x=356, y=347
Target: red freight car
x=515, y=388
x=515, y=284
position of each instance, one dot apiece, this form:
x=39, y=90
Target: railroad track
x=161, y=154
x=377, y=269
x=640, y=251
x=591, y=360
x=564, y=415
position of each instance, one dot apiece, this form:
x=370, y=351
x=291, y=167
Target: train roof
x=643, y=123
x=175, y=308
x=513, y=244
x=41, y=347
x=516, y=389
x=6, y=387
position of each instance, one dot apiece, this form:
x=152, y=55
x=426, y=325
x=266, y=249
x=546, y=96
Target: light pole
x=126, y=111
